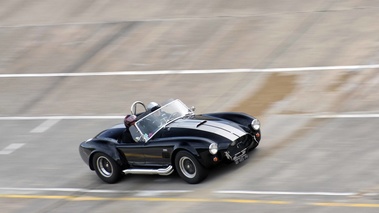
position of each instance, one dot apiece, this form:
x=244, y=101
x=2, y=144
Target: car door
x=153, y=151
x=134, y=153
x=158, y=152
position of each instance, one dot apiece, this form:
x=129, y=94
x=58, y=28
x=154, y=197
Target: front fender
x=198, y=147
x=107, y=147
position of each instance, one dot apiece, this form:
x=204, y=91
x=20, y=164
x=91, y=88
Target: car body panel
x=185, y=130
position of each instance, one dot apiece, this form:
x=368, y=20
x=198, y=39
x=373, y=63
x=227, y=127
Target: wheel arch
x=189, y=168
x=109, y=148
x=193, y=145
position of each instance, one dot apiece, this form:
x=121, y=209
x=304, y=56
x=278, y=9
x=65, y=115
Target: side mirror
x=193, y=109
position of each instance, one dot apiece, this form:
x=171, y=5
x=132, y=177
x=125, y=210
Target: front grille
x=240, y=144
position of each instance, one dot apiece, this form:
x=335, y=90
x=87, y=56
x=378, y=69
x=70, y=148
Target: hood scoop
x=201, y=123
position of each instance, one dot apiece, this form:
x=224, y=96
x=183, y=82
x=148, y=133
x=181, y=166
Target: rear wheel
x=189, y=168
x=106, y=168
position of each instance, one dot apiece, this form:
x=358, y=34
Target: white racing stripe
x=176, y=72
x=219, y=128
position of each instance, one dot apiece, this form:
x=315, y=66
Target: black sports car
x=170, y=138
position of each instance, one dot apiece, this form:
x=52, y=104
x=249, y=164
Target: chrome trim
x=133, y=107
x=255, y=138
x=146, y=138
x=160, y=171
x=211, y=146
x=103, y=165
x=238, y=157
x=183, y=167
x=255, y=122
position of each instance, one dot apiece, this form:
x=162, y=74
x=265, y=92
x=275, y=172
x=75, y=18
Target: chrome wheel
x=104, y=166
x=187, y=167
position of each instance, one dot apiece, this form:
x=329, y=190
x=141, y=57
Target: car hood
x=224, y=128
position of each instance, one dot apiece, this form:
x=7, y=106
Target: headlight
x=213, y=148
x=255, y=124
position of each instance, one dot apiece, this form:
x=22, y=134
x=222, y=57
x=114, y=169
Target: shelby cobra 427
x=171, y=137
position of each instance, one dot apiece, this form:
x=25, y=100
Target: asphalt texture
x=319, y=149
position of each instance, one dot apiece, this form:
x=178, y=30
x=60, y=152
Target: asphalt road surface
x=307, y=69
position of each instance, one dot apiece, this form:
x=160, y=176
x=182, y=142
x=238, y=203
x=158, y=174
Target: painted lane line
x=357, y=205
x=106, y=117
x=11, y=148
x=348, y=116
x=176, y=72
x=45, y=126
x=34, y=193
x=117, y=117
x=185, y=200
x=146, y=199
x=286, y=193
x=38, y=190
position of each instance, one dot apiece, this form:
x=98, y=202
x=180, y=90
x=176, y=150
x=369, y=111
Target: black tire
x=106, y=168
x=189, y=168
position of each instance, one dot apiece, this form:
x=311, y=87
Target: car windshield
x=149, y=125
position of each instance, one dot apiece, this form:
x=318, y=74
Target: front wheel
x=106, y=168
x=253, y=146
x=189, y=168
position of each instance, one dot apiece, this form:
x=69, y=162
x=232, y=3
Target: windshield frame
x=153, y=122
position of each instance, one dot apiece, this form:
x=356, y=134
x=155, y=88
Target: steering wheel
x=133, y=108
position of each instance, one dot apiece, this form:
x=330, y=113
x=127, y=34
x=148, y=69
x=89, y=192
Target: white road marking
x=62, y=117
x=117, y=117
x=176, y=72
x=348, y=116
x=233, y=16
x=11, y=148
x=45, y=125
x=286, y=193
x=159, y=192
x=140, y=192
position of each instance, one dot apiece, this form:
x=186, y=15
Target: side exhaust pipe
x=161, y=171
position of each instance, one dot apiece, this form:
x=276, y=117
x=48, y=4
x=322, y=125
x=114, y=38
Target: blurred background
x=318, y=110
